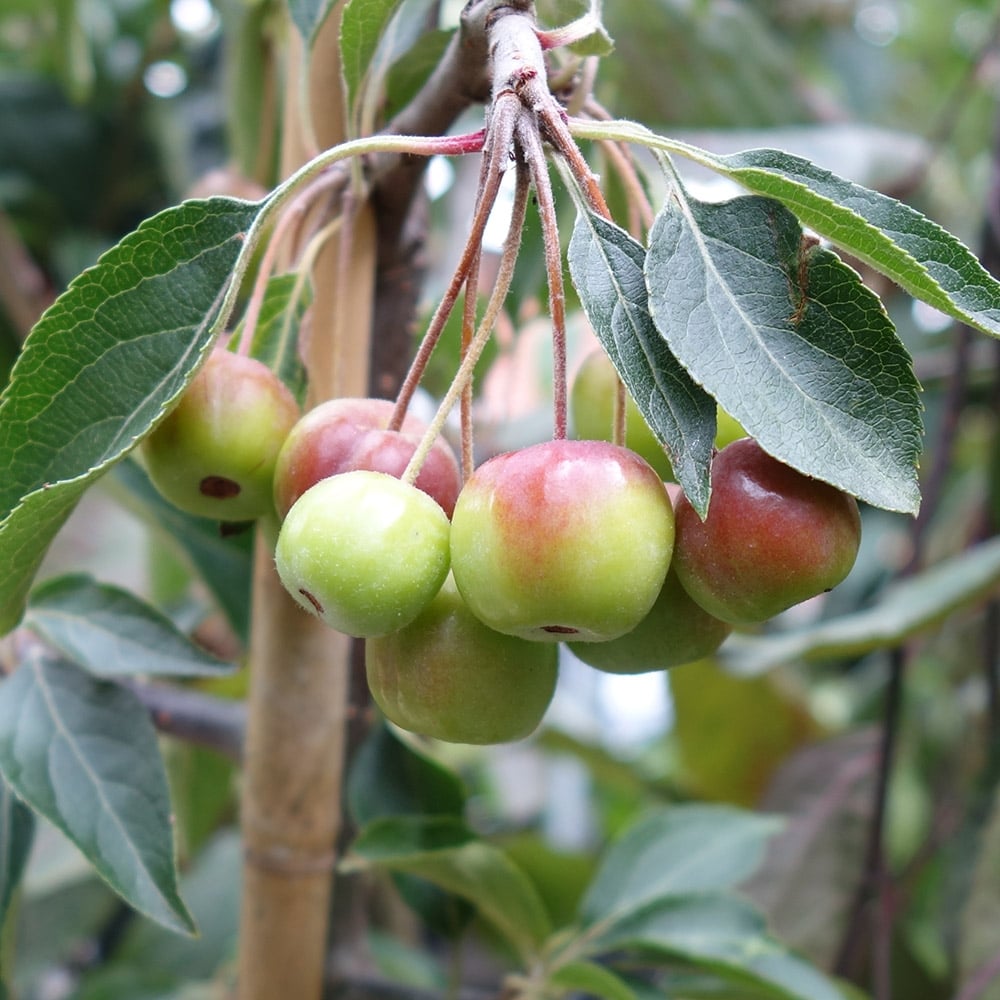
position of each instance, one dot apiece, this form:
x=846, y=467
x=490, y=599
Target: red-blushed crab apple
x=448, y=676
x=364, y=551
x=214, y=453
x=343, y=435
x=562, y=540
x=773, y=537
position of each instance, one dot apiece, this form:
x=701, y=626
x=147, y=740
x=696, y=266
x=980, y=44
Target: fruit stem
x=505, y=275
x=530, y=146
x=290, y=217
x=499, y=135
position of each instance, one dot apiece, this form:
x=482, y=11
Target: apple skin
x=364, y=551
x=449, y=677
x=342, y=435
x=676, y=631
x=773, y=537
x=214, y=454
x=562, y=540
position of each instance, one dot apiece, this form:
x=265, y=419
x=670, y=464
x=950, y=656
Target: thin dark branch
x=874, y=878
x=206, y=720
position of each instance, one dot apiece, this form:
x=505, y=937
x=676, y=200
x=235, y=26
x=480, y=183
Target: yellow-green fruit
x=364, y=551
x=447, y=676
x=214, y=454
x=592, y=408
x=676, y=631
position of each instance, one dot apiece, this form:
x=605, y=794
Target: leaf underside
x=606, y=265
x=790, y=342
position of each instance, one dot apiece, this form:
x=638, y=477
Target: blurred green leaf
x=276, y=338
x=721, y=934
x=676, y=851
x=607, y=269
x=732, y=732
x=789, y=341
x=222, y=561
x=361, y=29
x=389, y=777
x=905, y=608
x=100, y=369
x=592, y=980
x=17, y=833
x=444, y=851
x=111, y=632
x=84, y=754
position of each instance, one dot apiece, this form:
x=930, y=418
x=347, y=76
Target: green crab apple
x=676, y=631
x=448, y=676
x=562, y=540
x=592, y=407
x=343, y=435
x=592, y=402
x=214, y=453
x=364, y=551
x=773, y=537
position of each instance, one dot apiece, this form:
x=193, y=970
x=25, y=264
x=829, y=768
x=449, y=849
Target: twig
x=195, y=717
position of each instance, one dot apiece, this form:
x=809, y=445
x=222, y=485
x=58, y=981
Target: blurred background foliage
x=113, y=109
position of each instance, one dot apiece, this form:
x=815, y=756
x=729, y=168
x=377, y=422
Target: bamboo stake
x=300, y=669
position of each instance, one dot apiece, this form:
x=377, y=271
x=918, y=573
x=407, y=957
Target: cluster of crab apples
x=462, y=591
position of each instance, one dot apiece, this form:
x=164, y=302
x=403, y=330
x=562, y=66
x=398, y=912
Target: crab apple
x=676, y=631
x=448, y=676
x=562, y=540
x=364, y=551
x=343, y=435
x=214, y=453
x=592, y=408
x=773, y=537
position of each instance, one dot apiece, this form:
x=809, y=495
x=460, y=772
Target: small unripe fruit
x=676, y=631
x=449, y=677
x=213, y=455
x=592, y=408
x=364, y=551
x=348, y=434
x=563, y=540
x=772, y=539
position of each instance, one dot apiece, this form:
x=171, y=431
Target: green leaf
x=444, y=851
x=790, y=342
x=592, y=980
x=84, y=754
x=677, y=851
x=17, y=833
x=100, y=369
x=723, y=935
x=222, y=562
x=309, y=15
x=112, y=633
x=363, y=24
x=905, y=608
x=276, y=337
x=388, y=777
x=893, y=238
x=606, y=265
